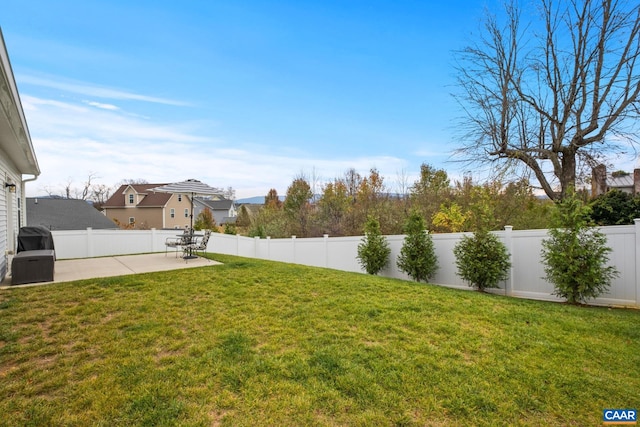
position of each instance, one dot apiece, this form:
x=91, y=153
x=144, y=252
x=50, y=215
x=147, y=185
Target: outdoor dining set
x=189, y=242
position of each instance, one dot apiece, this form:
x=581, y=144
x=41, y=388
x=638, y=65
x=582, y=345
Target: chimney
x=636, y=182
x=599, y=180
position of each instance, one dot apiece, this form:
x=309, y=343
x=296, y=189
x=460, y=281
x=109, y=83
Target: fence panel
x=526, y=278
x=312, y=250
x=622, y=241
x=528, y=270
x=342, y=253
x=447, y=271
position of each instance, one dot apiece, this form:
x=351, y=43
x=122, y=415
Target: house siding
x=180, y=221
x=17, y=157
x=220, y=216
x=151, y=216
x=4, y=259
x=9, y=212
x=145, y=218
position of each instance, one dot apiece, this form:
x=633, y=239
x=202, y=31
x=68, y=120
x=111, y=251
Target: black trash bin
x=35, y=257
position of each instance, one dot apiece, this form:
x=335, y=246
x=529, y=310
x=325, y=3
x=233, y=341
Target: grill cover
x=34, y=238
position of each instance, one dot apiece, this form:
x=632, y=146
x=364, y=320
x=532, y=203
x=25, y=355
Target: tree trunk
x=568, y=175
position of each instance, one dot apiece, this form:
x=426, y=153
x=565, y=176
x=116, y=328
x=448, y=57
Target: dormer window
x=130, y=199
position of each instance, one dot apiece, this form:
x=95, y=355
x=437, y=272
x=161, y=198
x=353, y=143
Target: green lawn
x=255, y=343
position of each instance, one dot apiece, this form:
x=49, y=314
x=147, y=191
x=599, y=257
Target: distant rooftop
x=620, y=181
x=65, y=214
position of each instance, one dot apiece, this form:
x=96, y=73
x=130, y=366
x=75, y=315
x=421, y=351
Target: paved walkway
x=89, y=268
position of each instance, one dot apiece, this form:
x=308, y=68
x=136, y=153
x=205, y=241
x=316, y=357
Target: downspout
x=23, y=199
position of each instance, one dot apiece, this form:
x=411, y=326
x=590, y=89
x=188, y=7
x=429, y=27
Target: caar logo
x=619, y=416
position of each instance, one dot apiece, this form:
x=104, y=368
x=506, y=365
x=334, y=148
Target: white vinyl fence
x=525, y=277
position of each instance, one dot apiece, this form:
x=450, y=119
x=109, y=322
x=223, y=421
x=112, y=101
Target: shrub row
x=575, y=255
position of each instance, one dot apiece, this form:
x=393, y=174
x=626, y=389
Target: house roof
x=620, y=181
x=65, y=214
x=151, y=199
x=224, y=204
x=15, y=140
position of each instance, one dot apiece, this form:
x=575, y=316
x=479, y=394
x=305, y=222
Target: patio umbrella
x=190, y=186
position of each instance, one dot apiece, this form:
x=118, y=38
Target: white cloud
x=73, y=140
x=101, y=105
x=89, y=89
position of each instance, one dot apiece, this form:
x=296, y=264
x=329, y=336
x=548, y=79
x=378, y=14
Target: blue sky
x=243, y=94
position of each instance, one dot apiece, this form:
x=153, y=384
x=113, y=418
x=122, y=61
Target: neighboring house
x=223, y=210
x=18, y=163
x=57, y=213
x=602, y=182
x=137, y=206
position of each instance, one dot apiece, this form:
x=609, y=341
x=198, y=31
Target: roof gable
x=151, y=199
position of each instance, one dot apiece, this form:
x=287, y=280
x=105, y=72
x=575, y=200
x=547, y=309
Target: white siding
x=8, y=212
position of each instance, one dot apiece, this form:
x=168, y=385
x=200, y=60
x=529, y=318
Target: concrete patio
x=89, y=268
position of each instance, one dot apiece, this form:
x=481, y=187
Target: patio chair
x=200, y=245
x=176, y=242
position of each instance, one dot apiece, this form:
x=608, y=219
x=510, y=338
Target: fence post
x=89, y=242
x=256, y=244
x=269, y=247
x=153, y=240
x=637, y=230
x=508, y=286
x=293, y=248
x=326, y=250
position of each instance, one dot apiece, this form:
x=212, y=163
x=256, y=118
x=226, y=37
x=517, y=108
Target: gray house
x=602, y=182
x=224, y=210
x=65, y=214
x=18, y=163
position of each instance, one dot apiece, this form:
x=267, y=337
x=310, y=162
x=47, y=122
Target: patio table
x=189, y=238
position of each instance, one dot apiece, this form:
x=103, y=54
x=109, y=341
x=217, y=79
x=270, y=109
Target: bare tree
x=100, y=193
x=70, y=191
x=402, y=184
x=229, y=193
x=90, y=191
x=352, y=179
x=133, y=181
x=554, y=95
x=87, y=189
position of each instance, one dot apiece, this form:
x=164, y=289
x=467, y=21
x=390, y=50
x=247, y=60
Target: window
x=172, y=213
x=179, y=197
x=186, y=213
x=132, y=220
x=130, y=199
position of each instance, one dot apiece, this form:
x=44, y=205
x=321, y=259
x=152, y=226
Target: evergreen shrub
x=576, y=254
x=482, y=260
x=373, y=251
x=417, y=257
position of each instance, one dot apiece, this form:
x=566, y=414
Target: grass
x=254, y=342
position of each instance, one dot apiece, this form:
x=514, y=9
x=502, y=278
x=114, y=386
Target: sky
x=245, y=94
